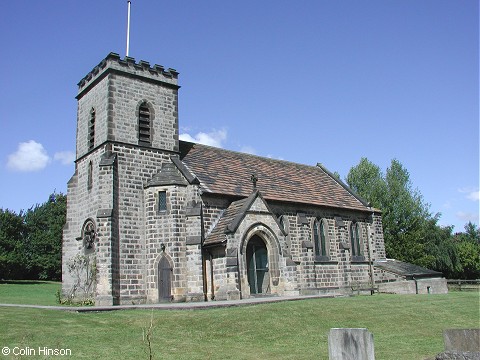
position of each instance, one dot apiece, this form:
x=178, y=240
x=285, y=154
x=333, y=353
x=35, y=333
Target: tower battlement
x=143, y=69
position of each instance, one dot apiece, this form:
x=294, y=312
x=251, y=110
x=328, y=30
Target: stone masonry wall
x=339, y=272
x=135, y=167
x=96, y=99
x=83, y=204
x=337, y=275
x=115, y=88
x=128, y=95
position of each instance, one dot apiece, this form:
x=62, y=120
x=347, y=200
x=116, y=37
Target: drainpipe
x=212, y=285
x=202, y=252
x=416, y=284
x=204, y=275
x=370, y=265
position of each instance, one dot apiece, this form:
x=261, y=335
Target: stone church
x=151, y=218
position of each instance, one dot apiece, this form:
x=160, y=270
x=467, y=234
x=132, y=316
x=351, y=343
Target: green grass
x=29, y=292
x=404, y=327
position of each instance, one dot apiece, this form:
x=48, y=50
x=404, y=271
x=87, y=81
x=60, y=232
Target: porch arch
x=260, y=232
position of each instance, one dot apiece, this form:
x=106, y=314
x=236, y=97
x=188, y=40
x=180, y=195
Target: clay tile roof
x=227, y=172
x=218, y=233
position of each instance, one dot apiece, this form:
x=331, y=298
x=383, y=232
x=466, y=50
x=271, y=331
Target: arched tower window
x=91, y=130
x=144, y=124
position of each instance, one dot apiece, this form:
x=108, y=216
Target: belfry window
x=91, y=130
x=144, y=124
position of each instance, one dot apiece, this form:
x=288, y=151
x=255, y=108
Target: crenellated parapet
x=142, y=69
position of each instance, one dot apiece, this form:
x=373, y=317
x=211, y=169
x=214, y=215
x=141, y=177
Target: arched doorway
x=257, y=266
x=164, y=280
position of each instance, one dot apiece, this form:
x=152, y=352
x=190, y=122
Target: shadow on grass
x=25, y=282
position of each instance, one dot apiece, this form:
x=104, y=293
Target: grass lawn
x=404, y=327
x=29, y=292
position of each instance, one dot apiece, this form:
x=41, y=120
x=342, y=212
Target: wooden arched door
x=164, y=280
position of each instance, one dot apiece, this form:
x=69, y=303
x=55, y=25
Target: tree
x=403, y=210
x=405, y=216
x=44, y=226
x=12, y=254
x=468, y=248
x=472, y=233
x=367, y=180
x=411, y=232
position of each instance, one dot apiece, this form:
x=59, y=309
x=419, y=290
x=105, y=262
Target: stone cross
x=254, y=180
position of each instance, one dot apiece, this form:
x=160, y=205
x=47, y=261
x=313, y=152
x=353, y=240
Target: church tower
x=127, y=128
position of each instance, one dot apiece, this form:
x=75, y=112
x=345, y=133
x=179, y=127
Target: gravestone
x=461, y=344
x=350, y=344
x=462, y=339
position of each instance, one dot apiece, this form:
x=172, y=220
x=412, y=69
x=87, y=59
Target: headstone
x=350, y=344
x=462, y=339
x=461, y=344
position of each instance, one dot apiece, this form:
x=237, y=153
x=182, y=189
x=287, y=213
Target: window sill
x=144, y=143
x=358, y=259
x=324, y=260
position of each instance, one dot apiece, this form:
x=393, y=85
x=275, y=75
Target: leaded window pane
x=352, y=239
x=316, y=239
x=162, y=201
x=323, y=240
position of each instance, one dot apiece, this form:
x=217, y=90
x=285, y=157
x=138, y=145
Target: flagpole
x=128, y=28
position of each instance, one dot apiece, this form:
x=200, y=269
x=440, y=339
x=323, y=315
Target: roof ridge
x=251, y=155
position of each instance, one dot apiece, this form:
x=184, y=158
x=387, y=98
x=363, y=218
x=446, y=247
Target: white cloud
x=30, y=156
x=467, y=216
x=65, y=157
x=472, y=193
x=270, y=156
x=214, y=138
x=248, y=150
x=447, y=205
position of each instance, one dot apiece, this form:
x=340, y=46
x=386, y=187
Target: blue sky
x=306, y=81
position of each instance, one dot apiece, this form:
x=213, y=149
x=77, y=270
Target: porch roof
x=234, y=211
